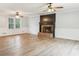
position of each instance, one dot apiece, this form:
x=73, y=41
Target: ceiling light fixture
x=17, y=15
x=50, y=8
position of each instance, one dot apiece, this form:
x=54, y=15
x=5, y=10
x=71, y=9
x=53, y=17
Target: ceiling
x=33, y=8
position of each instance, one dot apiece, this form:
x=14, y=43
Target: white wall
x=67, y=25
x=4, y=30
x=34, y=24
x=29, y=24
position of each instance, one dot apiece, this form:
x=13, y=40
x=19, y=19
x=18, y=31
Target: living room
x=27, y=27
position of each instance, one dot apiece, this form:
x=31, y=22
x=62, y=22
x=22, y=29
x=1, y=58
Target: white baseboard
x=5, y=32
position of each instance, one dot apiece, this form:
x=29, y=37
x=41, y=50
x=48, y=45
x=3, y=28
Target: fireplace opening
x=47, y=28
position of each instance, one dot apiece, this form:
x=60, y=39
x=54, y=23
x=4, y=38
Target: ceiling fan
x=51, y=8
x=18, y=15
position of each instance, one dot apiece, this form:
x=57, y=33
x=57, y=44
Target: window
x=11, y=23
x=17, y=23
x=14, y=23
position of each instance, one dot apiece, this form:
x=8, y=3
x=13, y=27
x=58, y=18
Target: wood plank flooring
x=30, y=45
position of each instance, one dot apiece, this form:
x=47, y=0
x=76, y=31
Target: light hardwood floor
x=30, y=45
